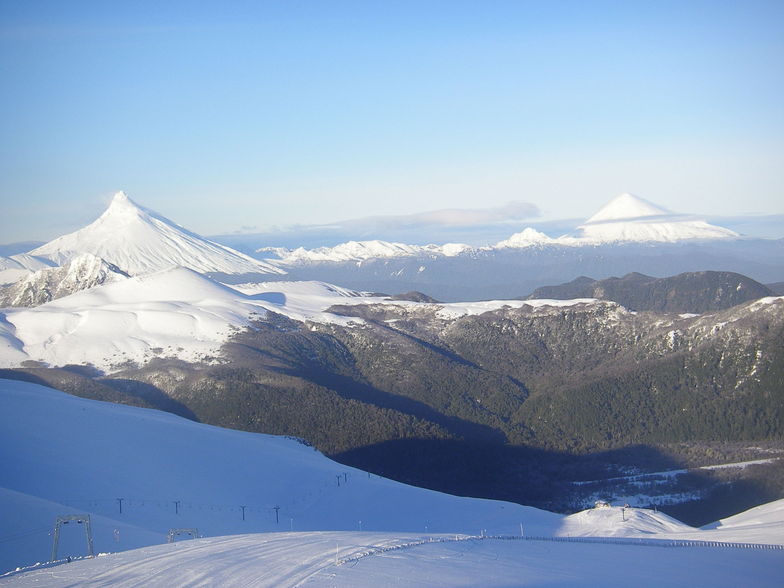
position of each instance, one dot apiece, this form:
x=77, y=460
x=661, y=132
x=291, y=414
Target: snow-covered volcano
x=630, y=218
x=138, y=241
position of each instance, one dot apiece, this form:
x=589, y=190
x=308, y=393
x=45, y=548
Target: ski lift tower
x=80, y=519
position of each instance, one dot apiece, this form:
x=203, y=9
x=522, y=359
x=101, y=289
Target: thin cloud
x=474, y=226
x=447, y=217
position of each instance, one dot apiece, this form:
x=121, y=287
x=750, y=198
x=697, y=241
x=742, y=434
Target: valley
x=661, y=393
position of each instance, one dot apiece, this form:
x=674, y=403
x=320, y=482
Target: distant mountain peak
x=122, y=210
x=121, y=198
x=139, y=240
x=627, y=206
x=629, y=218
x=120, y=202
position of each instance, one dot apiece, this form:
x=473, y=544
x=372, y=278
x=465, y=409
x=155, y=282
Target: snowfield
x=274, y=512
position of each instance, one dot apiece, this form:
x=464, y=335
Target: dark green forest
x=516, y=404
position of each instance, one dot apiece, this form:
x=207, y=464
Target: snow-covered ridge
x=81, y=272
x=625, y=219
x=363, y=250
x=173, y=313
x=453, y=310
x=138, y=240
x=181, y=313
x=528, y=237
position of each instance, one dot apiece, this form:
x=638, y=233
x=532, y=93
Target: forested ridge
x=514, y=403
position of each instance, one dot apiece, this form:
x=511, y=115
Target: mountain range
x=501, y=398
x=694, y=292
x=629, y=234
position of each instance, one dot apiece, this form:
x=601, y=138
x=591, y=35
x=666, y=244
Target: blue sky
x=229, y=116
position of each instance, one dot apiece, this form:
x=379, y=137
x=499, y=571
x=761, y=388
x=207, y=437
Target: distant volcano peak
x=627, y=206
x=122, y=206
x=138, y=240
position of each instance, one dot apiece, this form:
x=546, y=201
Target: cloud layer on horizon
x=446, y=217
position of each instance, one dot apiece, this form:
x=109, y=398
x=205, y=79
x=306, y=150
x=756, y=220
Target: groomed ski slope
x=383, y=559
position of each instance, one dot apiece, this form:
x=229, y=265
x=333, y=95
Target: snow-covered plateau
x=274, y=512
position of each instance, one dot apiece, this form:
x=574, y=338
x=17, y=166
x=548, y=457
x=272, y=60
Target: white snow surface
x=67, y=455
x=627, y=206
x=528, y=237
x=360, y=560
x=176, y=312
x=670, y=230
x=173, y=313
x=181, y=313
x=453, y=310
x=623, y=522
x=759, y=524
x=139, y=241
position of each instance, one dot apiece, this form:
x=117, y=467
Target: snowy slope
x=138, y=241
x=172, y=313
x=178, y=313
x=760, y=523
x=622, y=522
x=63, y=454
